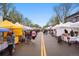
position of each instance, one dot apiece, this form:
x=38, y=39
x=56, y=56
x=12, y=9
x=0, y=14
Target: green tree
x=5, y=9
x=28, y=22
x=53, y=21
x=15, y=16
x=36, y=25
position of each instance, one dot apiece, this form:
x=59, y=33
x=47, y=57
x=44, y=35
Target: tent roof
x=27, y=28
x=24, y=27
x=75, y=25
x=65, y=25
x=48, y=27
x=57, y=26
x=68, y=23
x=18, y=24
x=8, y=24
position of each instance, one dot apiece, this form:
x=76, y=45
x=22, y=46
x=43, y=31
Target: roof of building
x=72, y=15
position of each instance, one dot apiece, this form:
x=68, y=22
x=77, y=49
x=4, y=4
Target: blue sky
x=37, y=13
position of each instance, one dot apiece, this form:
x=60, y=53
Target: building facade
x=72, y=18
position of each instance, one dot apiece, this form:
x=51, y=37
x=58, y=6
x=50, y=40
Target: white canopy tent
x=23, y=26
x=75, y=25
x=58, y=26
x=48, y=28
x=61, y=27
x=68, y=26
x=27, y=28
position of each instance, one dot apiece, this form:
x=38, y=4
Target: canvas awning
x=4, y=30
x=8, y=24
x=23, y=26
x=15, y=28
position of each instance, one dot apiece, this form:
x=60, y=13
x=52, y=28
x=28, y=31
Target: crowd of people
x=52, y=32
x=66, y=36
x=25, y=38
x=30, y=35
x=72, y=33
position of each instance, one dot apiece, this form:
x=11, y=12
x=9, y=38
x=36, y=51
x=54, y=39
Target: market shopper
x=10, y=41
x=66, y=32
x=13, y=38
x=76, y=33
x=25, y=36
x=33, y=34
x=72, y=33
x=55, y=32
x=28, y=36
x=67, y=38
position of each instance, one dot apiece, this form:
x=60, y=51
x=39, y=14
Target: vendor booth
x=61, y=27
x=25, y=28
x=3, y=44
x=15, y=28
x=69, y=26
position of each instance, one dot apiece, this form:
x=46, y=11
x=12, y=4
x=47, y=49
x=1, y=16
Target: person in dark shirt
x=72, y=33
x=76, y=33
x=66, y=31
x=28, y=36
x=10, y=41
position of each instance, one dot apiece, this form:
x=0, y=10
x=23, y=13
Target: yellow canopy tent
x=15, y=28
x=8, y=24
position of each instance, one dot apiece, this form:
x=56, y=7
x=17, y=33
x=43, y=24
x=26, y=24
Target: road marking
x=43, y=49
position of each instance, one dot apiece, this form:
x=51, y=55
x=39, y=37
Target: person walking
x=10, y=42
x=13, y=38
x=28, y=36
x=72, y=33
x=34, y=34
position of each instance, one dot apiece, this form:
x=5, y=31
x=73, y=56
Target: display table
x=74, y=39
x=3, y=46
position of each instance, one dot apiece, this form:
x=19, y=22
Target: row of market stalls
x=68, y=26
x=60, y=27
x=17, y=28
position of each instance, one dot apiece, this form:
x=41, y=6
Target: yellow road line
x=43, y=49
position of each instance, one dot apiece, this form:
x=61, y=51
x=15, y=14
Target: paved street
x=31, y=49
x=31, y=29
x=55, y=49
x=46, y=45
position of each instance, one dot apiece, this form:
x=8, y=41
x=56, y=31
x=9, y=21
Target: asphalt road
x=31, y=49
x=46, y=45
x=63, y=49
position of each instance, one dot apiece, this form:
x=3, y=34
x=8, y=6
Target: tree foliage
x=15, y=16
x=5, y=9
